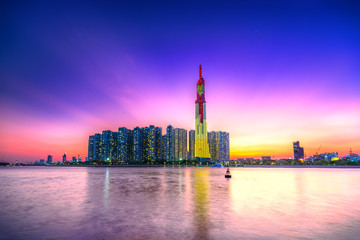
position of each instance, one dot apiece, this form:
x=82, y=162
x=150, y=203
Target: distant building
x=180, y=144
x=42, y=161
x=124, y=145
x=74, y=160
x=170, y=143
x=64, y=158
x=158, y=143
x=95, y=147
x=224, y=147
x=265, y=158
x=192, y=144
x=219, y=145
x=109, y=145
x=328, y=156
x=91, y=147
x=49, y=159
x=298, y=151
x=214, y=145
x=79, y=158
x=163, y=147
x=150, y=143
x=353, y=157
x=98, y=149
x=137, y=146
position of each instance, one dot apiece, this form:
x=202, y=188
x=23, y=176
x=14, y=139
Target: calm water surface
x=179, y=203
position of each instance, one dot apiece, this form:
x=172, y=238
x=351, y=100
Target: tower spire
x=200, y=71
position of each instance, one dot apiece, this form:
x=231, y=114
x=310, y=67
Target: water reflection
x=201, y=185
x=179, y=203
x=106, y=187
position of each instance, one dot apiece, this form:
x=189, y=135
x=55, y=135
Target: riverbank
x=182, y=166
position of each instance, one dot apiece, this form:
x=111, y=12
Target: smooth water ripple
x=179, y=203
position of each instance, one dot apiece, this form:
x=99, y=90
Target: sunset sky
x=275, y=72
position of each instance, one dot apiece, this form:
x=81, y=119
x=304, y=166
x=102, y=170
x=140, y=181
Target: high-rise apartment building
x=170, y=143
x=192, y=144
x=64, y=158
x=219, y=145
x=224, y=146
x=109, y=145
x=158, y=143
x=163, y=147
x=137, y=144
x=214, y=145
x=298, y=151
x=149, y=143
x=91, y=147
x=124, y=145
x=49, y=159
x=180, y=144
x=97, y=148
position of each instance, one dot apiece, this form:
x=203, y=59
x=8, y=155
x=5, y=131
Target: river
x=179, y=203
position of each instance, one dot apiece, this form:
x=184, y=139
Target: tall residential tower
x=201, y=141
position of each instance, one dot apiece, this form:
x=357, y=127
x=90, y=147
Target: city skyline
x=275, y=73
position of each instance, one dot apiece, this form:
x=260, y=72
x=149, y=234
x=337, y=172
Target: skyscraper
x=163, y=147
x=219, y=145
x=137, y=149
x=192, y=144
x=97, y=148
x=180, y=144
x=214, y=145
x=224, y=146
x=176, y=144
x=201, y=142
x=64, y=158
x=298, y=151
x=109, y=143
x=170, y=143
x=124, y=145
x=150, y=134
x=49, y=159
x=158, y=143
x=144, y=143
x=91, y=148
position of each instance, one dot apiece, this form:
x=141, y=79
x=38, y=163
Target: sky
x=275, y=72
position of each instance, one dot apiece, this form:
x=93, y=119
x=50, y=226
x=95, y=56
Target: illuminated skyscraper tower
x=201, y=142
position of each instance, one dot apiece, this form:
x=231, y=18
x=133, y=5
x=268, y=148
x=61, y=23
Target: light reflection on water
x=179, y=203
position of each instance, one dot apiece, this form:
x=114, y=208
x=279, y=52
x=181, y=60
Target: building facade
x=219, y=145
x=137, y=146
x=49, y=159
x=201, y=141
x=109, y=145
x=170, y=143
x=180, y=144
x=191, y=144
x=158, y=143
x=298, y=151
x=124, y=145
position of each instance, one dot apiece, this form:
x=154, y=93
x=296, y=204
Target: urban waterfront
x=179, y=203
